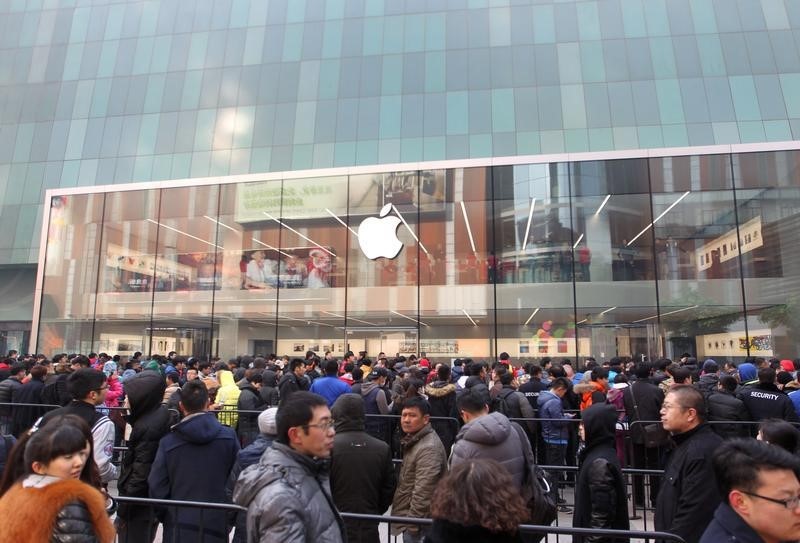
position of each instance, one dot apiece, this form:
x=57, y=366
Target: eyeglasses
x=324, y=425
x=101, y=389
x=789, y=503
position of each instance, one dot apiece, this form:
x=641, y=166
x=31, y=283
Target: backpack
x=503, y=404
x=539, y=492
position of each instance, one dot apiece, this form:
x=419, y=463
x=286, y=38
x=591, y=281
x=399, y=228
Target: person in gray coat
x=287, y=494
x=489, y=435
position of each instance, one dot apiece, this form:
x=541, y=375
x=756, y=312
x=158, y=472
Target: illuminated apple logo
x=378, y=236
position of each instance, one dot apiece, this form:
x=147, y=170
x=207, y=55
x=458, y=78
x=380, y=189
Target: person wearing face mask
x=48, y=488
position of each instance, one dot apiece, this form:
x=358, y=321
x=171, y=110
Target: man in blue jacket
x=555, y=426
x=198, y=440
x=330, y=387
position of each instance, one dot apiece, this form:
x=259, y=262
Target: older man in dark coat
x=362, y=475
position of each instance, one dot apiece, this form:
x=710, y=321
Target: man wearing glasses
x=287, y=494
x=760, y=488
x=688, y=494
x=88, y=388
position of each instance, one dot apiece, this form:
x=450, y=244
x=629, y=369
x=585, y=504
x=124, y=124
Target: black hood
x=145, y=391
x=599, y=424
x=348, y=413
x=269, y=378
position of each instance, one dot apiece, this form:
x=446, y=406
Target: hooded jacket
x=249, y=400
x=375, y=403
x=149, y=423
x=192, y=463
x=747, y=372
x=491, y=436
x=600, y=498
x=269, y=388
x=362, y=474
x=591, y=392
x=424, y=462
x=288, y=499
x=442, y=399
x=227, y=398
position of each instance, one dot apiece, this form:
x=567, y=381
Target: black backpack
x=502, y=403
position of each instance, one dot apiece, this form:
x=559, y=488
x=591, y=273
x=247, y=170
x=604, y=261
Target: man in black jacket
x=149, y=421
x=600, y=498
x=723, y=405
x=646, y=407
x=688, y=496
x=249, y=400
x=765, y=400
x=293, y=380
x=362, y=475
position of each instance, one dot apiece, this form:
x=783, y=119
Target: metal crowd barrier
x=387, y=520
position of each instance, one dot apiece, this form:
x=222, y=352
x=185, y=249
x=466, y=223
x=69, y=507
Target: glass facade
x=98, y=92
x=625, y=257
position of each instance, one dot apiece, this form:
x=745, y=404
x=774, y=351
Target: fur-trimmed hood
x=440, y=389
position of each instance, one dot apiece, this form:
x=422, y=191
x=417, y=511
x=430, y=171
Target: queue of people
x=299, y=441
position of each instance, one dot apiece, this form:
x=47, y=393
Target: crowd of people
x=296, y=442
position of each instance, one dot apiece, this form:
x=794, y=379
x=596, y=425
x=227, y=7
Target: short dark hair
x=690, y=398
x=728, y=382
x=203, y=365
x=766, y=375
x=506, y=377
x=417, y=402
x=194, y=396
x=599, y=373
x=737, y=463
x=296, y=411
x=254, y=377
x=331, y=368
x=681, y=375
x=781, y=433
x=642, y=370
x=81, y=360
x=443, y=372
x=471, y=402
x=294, y=363
x=83, y=381
x=560, y=382
x=173, y=377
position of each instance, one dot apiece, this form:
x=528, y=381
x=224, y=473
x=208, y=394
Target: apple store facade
x=628, y=254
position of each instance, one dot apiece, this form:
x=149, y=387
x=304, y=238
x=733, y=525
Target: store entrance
x=633, y=340
x=391, y=340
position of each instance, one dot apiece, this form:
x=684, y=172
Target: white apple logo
x=378, y=237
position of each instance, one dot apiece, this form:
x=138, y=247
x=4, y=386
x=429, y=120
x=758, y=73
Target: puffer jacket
x=269, y=388
x=591, y=392
x=227, y=398
x=149, y=423
x=707, y=383
x=491, y=436
x=249, y=400
x=724, y=406
x=442, y=398
x=63, y=511
x=288, y=499
x=424, y=462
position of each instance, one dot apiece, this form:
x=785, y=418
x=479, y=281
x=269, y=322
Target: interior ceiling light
x=535, y=311
x=667, y=314
x=335, y=216
x=470, y=318
x=161, y=225
x=413, y=235
x=646, y=228
x=605, y=201
x=528, y=226
x=608, y=310
x=268, y=246
x=298, y=233
x=469, y=230
x=407, y=317
x=577, y=241
x=212, y=219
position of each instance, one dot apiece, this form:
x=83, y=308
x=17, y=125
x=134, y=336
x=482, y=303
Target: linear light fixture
x=307, y=321
x=268, y=246
x=413, y=235
x=298, y=233
x=608, y=310
x=362, y=322
x=646, y=228
x=667, y=314
x=577, y=241
x=528, y=226
x=535, y=311
x=337, y=315
x=335, y=216
x=469, y=230
x=161, y=225
x=581, y=322
x=407, y=317
x=222, y=224
x=605, y=201
x=470, y=318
